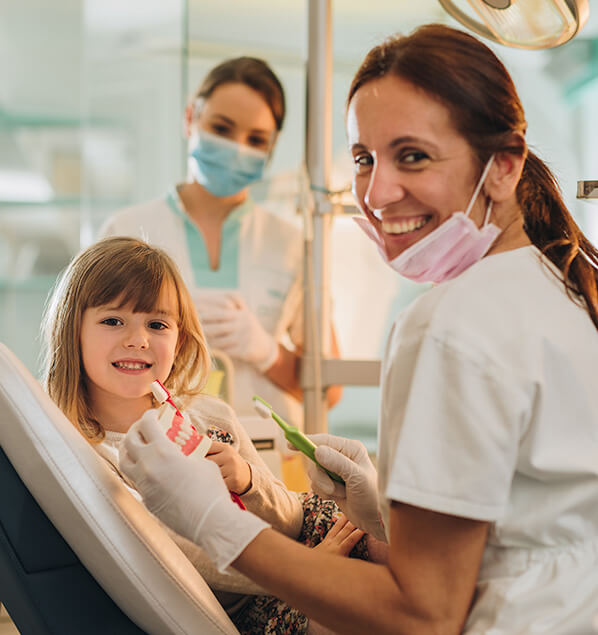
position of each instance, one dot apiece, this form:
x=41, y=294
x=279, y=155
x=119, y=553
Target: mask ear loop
x=488, y=210
x=198, y=107
x=477, y=191
x=367, y=192
x=271, y=145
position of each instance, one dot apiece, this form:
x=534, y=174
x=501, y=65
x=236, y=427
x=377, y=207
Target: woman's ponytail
x=552, y=229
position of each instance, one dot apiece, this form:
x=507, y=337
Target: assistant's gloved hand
x=358, y=498
x=186, y=493
x=232, y=327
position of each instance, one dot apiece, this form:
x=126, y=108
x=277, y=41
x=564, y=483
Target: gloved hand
x=186, y=493
x=358, y=498
x=232, y=327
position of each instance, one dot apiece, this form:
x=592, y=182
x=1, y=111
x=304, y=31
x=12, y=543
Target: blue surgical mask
x=222, y=166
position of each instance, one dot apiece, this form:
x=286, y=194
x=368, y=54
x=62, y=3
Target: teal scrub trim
x=227, y=275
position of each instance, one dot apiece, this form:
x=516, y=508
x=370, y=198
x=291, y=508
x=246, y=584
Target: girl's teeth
x=131, y=366
x=403, y=227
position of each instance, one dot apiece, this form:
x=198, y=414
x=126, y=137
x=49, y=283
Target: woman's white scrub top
x=261, y=257
x=490, y=411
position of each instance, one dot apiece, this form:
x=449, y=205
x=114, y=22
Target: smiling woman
x=420, y=175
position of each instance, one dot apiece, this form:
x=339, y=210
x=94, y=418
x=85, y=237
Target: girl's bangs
x=137, y=282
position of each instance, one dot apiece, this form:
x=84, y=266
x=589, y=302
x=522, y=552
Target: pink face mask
x=447, y=251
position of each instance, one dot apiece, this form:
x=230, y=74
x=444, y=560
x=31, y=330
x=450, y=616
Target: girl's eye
x=363, y=162
x=158, y=326
x=112, y=321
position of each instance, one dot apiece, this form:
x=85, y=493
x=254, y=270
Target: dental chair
x=78, y=553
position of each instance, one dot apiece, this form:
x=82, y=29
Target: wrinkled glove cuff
x=225, y=532
x=377, y=530
x=268, y=361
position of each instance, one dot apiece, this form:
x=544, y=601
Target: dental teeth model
x=181, y=431
x=177, y=428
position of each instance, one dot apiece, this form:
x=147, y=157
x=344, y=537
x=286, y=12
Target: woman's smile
x=407, y=226
x=401, y=226
x=400, y=232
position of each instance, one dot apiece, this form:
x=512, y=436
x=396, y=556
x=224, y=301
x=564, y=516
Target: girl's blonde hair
x=133, y=272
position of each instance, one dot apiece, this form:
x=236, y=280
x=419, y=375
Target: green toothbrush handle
x=294, y=436
x=308, y=447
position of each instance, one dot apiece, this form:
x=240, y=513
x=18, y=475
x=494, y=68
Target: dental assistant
x=487, y=484
x=242, y=264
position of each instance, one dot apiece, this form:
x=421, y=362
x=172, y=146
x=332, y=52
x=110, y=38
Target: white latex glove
x=358, y=498
x=232, y=327
x=186, y=493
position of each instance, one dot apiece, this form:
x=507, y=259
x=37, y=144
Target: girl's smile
x=134, y=366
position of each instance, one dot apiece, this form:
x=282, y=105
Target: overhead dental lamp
x=526, y=24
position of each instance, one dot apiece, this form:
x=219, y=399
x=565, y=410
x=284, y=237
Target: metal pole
x=318, y=140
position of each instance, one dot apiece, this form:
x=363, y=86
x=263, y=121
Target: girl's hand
x=341, y=537
x=234, y=469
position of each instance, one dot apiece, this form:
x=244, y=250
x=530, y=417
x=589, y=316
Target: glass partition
x=133, y=93
x=40, y=160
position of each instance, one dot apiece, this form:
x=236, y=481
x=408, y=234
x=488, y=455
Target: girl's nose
x=384, y=187
x=136, y=338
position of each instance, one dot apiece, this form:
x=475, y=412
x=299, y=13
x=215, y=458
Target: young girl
x=121, y=317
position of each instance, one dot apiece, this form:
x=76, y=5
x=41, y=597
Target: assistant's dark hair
x=252, y=72
x=465, y=76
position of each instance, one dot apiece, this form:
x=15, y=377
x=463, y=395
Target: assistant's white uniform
x=490, y=411
x=261, y=257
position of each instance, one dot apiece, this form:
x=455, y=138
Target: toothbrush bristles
x=262, y=409
x=159, y=392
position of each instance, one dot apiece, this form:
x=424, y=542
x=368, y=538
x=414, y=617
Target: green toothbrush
x=292, y=434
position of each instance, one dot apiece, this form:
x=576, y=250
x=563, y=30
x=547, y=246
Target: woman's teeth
x=403, y=226
x=131, y=365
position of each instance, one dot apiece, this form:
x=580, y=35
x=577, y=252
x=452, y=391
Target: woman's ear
x=505, y=172
x=187, y=120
